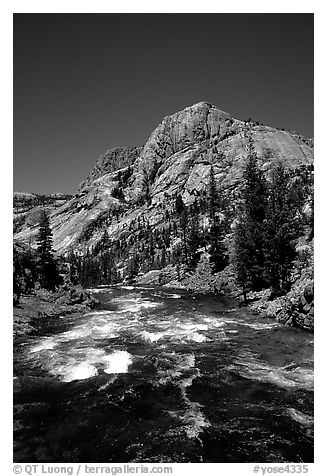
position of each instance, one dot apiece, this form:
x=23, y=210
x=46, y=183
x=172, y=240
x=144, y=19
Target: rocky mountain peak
x=180, y=131
x=202, y=106
x=141, y=183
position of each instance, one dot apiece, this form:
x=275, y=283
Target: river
x=159, y=375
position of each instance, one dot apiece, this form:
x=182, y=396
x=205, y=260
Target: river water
x=159, y=375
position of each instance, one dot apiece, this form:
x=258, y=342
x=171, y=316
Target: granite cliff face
x=176, y=159
x=179, y=152
x=114, y=159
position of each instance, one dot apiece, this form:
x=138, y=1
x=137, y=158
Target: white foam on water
x=144, y=288
x=192, y=326
x=167, y=295
x=191, y=418
x=174, y=333
x=132, y=308
x=152, y=336
x=96, y=314
x=196, y=337
x=303, y=377
x=188, y=360
x=213, y=322
x=135, y=305
x=107, y=384
x=174, y=330
x=157, y=294
x=230, y=321
x=83, y=363
x=46, y=344
x=300, y=417
x=187, y=382
x=76, y=355
x=260, y=325
x=219, y=324
x=162, y=323
x=150, y=304
x=174, y=296
x=96, y=327
x=105, y=313
x=80, y=371
x=118, y=362
x=174, y=367
x=97, y=290
x=248, y=366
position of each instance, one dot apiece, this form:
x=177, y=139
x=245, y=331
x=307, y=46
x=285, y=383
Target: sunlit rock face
x=115, y=158
x=176, y=133
x=176, y=159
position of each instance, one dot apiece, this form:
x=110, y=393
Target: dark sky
x=86, y=82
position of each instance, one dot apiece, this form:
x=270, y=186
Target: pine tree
x=282, y=228
x=255, y=190
x=202, y=277
x=134, y=265
x=179, y=205
x=48, y=272
x=118, y=193
x=146, y=187
x=255, y=204
x=74, y=275
x=150, y=247
x=184, y=235
x=249, y=243
x=217, y=249
x=163, y=257
x=107, y=266
x=105, y=241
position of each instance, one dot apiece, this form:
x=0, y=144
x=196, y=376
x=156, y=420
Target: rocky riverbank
x=34, y=308
x=295, y=309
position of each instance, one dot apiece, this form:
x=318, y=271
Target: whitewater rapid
x=211, y=368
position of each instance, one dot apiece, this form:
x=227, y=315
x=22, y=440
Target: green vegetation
x=250, y=229
x=47, y=267
x=269, y=223
x=217, y=249
x=38, y=266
